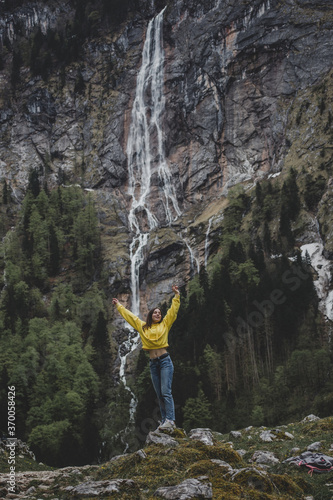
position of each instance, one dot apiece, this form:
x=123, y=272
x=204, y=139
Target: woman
x=154, y=335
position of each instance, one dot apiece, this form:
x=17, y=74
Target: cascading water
x=194, y=262
x=146, y=123
x=146, y=135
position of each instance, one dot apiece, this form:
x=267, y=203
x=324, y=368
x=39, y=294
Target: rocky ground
x=204, y=464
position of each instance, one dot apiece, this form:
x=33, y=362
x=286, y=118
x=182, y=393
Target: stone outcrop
x=160, y=438
x=203, y=435
x=190, y=470
x=101, y=488
x=190, y=488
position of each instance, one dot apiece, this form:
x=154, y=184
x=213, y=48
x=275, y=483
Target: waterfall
x=193, y=260
x=146, y=156
x=146, y=126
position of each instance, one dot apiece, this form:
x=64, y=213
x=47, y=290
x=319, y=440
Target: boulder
x=315, y=446
x=235, y=434
x=267, y=436
x=203, y=435
x=101, y=488
x=188, y=489
x=221, y=463
x=156, y=437
x=264, y=457
x=310, y=418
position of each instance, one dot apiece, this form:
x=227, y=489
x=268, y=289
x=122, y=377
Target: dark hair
x=149, y=320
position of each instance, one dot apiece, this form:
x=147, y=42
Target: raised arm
x=171, y=314
x=133, y=320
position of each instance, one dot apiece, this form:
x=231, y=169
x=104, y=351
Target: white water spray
x=193, y=260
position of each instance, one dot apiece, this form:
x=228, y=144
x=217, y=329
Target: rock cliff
x=234, y=75
x=232, y=72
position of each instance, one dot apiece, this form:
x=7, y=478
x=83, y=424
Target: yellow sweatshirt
x=155, y=337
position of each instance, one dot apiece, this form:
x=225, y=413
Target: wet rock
x=188, y=489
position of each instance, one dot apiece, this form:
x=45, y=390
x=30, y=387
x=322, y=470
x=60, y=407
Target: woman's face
x=156, y=316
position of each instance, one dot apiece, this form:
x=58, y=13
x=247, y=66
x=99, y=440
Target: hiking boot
x=167, y=425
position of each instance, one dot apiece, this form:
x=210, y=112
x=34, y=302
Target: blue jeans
x=161, y=371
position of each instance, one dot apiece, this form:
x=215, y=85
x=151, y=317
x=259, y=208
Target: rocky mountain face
x=232, y=72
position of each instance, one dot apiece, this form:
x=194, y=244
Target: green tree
x=257, y=416
x=213, y=361
x=197, y=411
x=64, y=304
x=238, y=206
x=86, y=238
x=39, y=244
x=314, y=190
x=50, y=440
x=290, y=195
x=54, y=251
x=267, y=241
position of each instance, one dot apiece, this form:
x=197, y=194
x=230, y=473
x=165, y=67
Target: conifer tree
x=294, y=203
x=259, y=195
x=267, y=242
x=197, y=411
x=214, y=368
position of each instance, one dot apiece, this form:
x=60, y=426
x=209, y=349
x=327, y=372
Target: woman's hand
x=115, y=301
x=175, y=290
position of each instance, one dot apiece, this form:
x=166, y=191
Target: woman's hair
x=149, y=320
